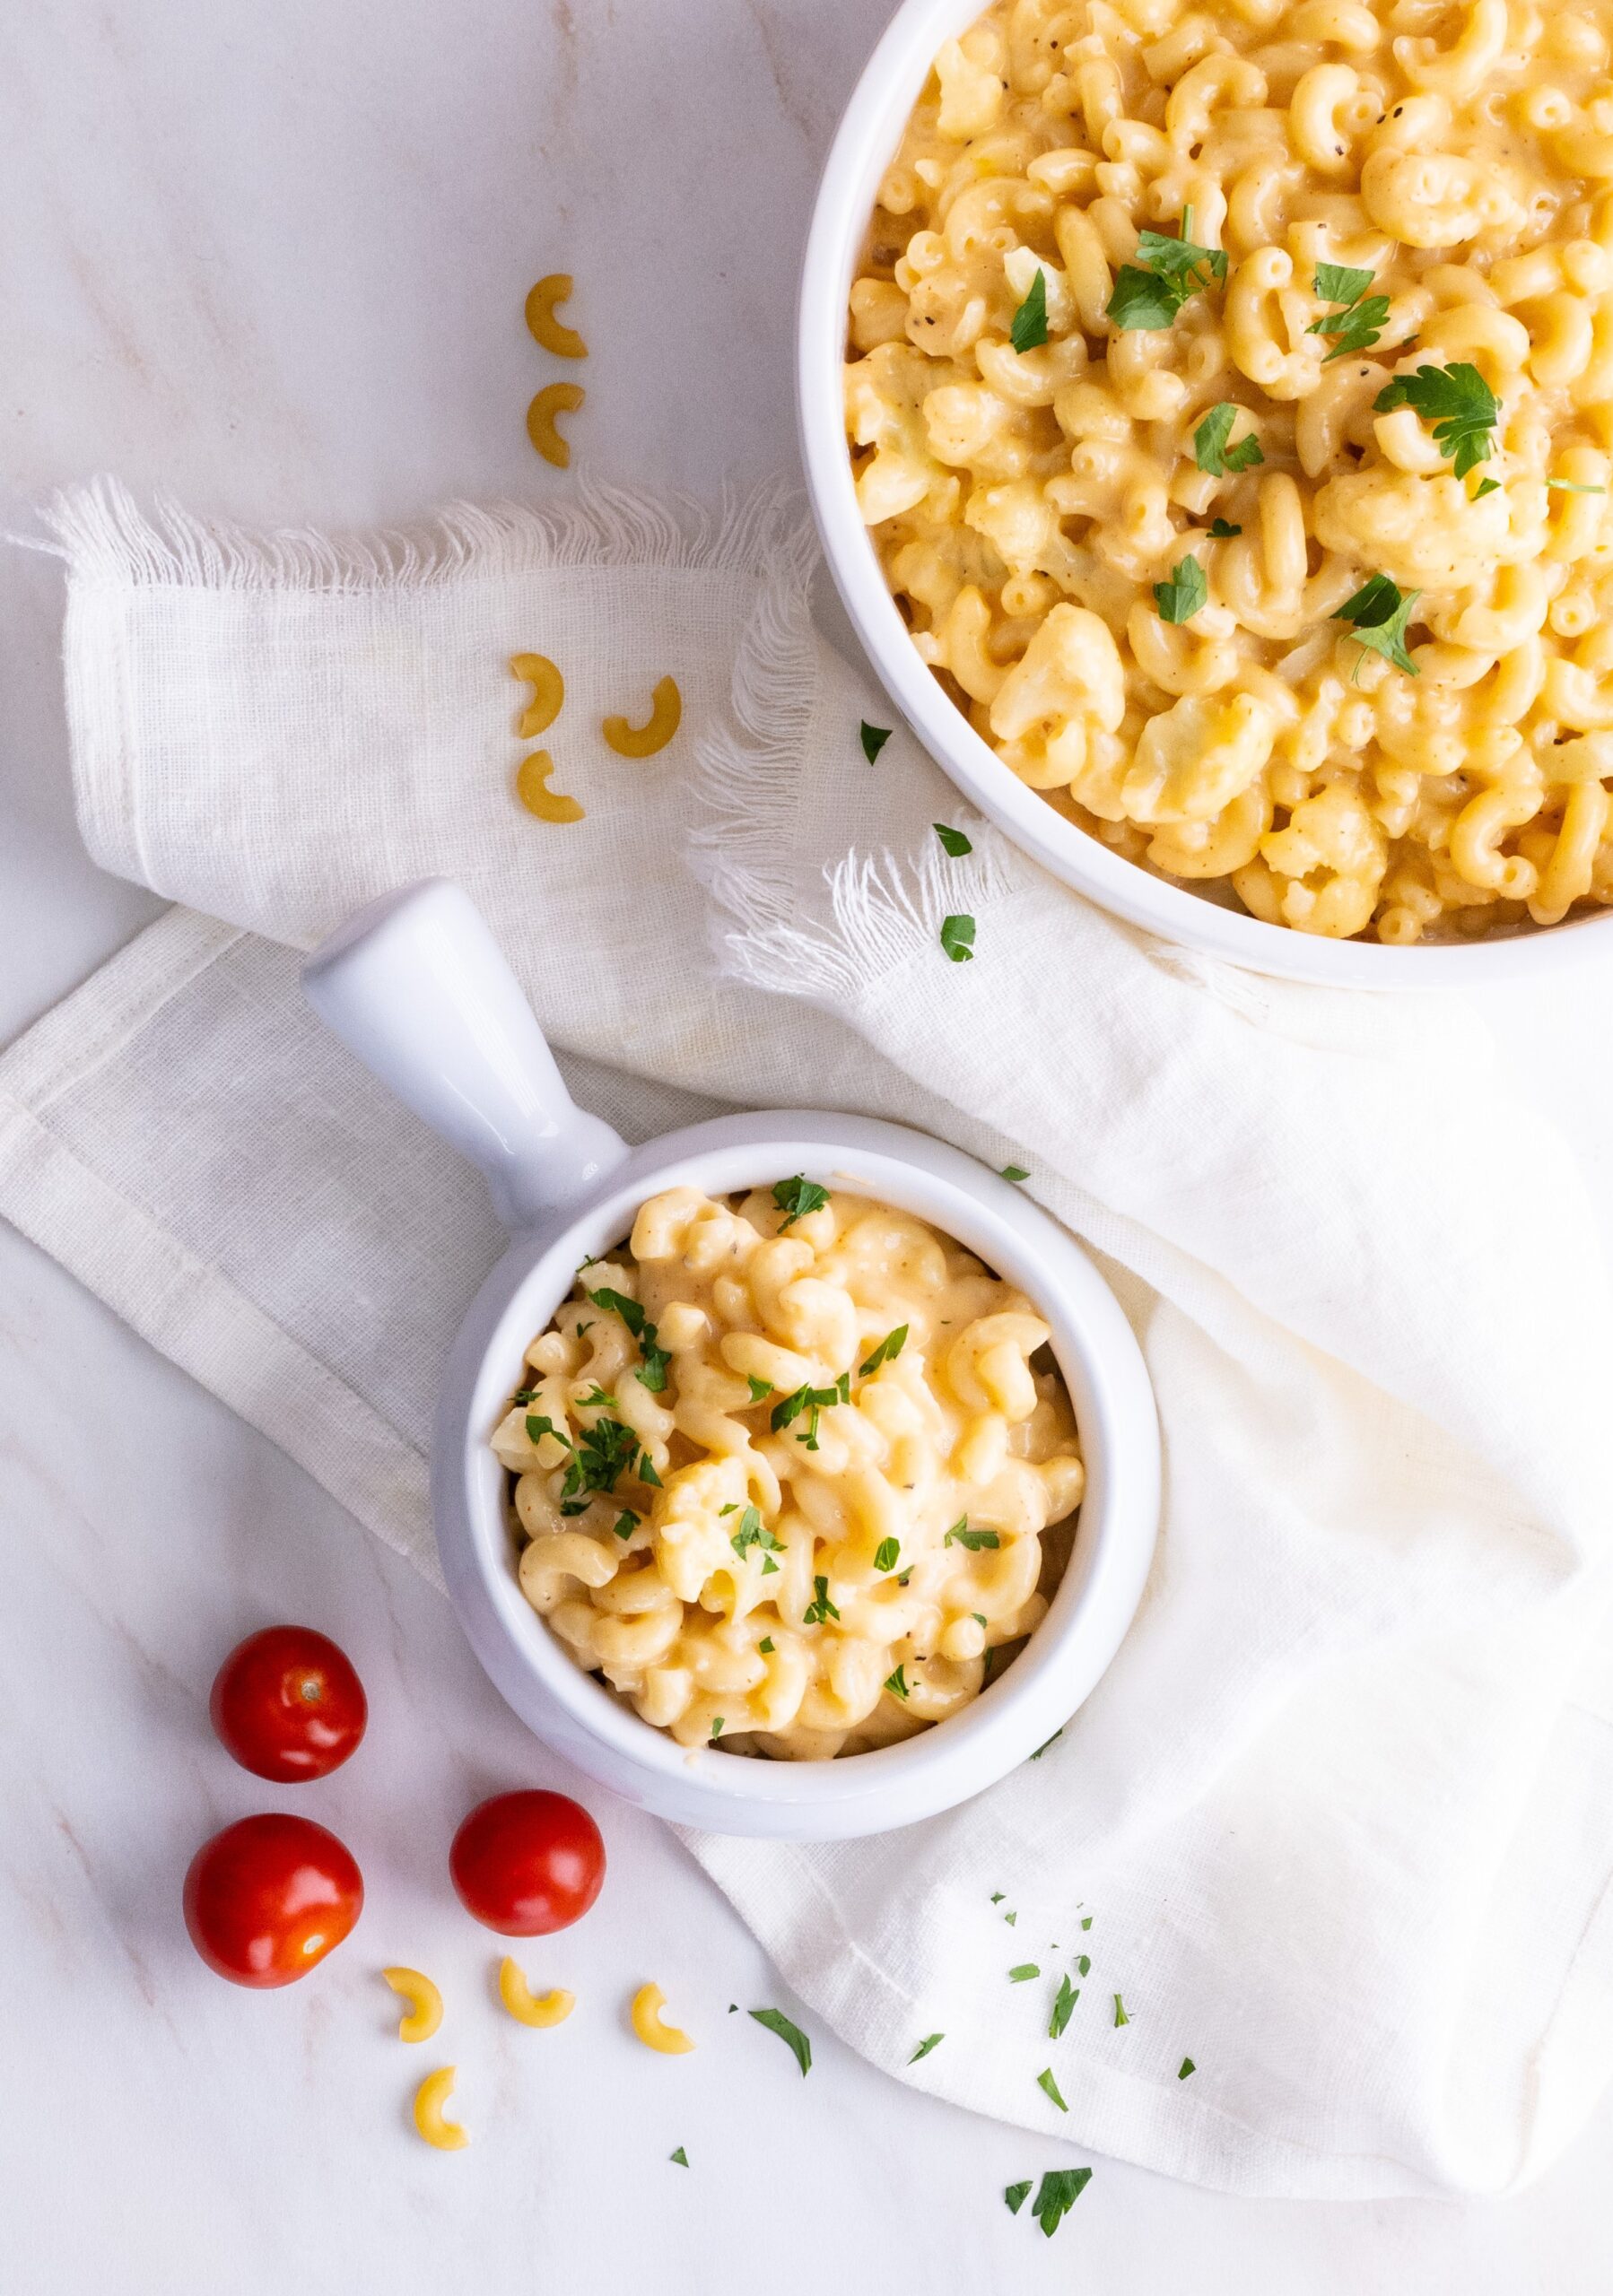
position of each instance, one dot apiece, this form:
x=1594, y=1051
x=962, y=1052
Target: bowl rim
x=1090, y=1612
x=870, y=130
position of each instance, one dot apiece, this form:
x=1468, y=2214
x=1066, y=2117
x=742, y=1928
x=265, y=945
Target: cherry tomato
x=288, y=1705
x=269, y=1897
x=526, y=1863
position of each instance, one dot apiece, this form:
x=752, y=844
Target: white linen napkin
x=1338, y=1825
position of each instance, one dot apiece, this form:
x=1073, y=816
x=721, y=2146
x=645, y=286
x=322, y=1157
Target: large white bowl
x=416, y=987
x=869, y=134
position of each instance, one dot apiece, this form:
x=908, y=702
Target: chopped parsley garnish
x=810, y=1400
x=1488, y=486
x=930, y=2040
x=717, y=1726
x=1120, y=2017
x=1558, y=485
x=1016, y=2196
x=1022, y=1973
x=1064, y=2001
x=1050, y=2087
x=1210, y=449
x=602, y=1452
x=538, y=1426
x=1149, y=292
x=1180, y=599
x=652, y=1370
x=972, y=1540
x=889, y=1348
x=954, y=839
x=731, y=1509
x=886, y=1553
x=796, y=1197
x=646, y=1471
x=1341, y=282
x=1010, y=1918
x=957, y=938
x=1083, y=1962
x=523, y=1395
x=792, y=1405
x=1460, y=404
x=1378, y=614
x=790, y=2034
x=874, y=739
x=625, y=1524
x=1086, y=1923
x=1359, y=320
x=820, y=1609
x=897, y=1683
x=1185, y=2067
x=1223, y=530
x=759, y=1387
x=1046, y=1743
x=1015, y=1172
x=597, y=1401
x=617, y=1303
x=1029, y=330
x=766, y=1646
x=1057, y=2195
x=978, y=1617
x=998, y=1896
x=681, y=2157
x=751, y=1534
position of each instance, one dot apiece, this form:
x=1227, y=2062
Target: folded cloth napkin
x=1338, y=1825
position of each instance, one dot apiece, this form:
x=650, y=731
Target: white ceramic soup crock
x=862, y=149
x=417, y=987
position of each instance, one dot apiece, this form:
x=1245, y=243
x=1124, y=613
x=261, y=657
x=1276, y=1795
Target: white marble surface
x=274, y=257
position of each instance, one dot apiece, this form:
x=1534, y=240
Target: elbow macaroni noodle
x=532, y=788
x=543, y=429
x=429, y=2098
x=792, y=1484
x=547, y=330
x=665, y=715
x=1025, y=504
x=652, y=2027
x=425, y=2004
x=528, y=2008
x=548, y=693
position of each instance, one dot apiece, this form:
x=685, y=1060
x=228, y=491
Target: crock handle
x=418, y=987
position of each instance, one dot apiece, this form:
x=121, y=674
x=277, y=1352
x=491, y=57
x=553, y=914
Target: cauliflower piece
x=1192, y=760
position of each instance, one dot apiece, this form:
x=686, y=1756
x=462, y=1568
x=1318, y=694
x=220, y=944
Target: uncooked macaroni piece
x=554, y=399
x=667, y=2040
x=529, y=2008
x=532, y=788
x=787, y=1470
x=429, y=2098
x=551, y=332
x=665, y=712
x=548, y=693
x=425, y=2004
x=1278, y=560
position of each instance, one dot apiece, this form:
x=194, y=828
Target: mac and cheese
x=788, y=1469
x=1231, y=401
